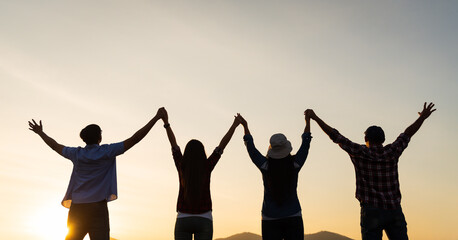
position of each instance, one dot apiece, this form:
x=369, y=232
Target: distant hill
x=324, y=235
x=242, y=236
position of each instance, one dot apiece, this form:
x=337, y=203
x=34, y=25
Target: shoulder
x=71, y=152
x=71, y=149
x=119, y=145
x=216, y=154
x=401, y=141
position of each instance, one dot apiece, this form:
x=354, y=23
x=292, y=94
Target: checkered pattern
x=376, y=168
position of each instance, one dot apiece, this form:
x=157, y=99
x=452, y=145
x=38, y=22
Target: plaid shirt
x=206, y=201
x=376, y=168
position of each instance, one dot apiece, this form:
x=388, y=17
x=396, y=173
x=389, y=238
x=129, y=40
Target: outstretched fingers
x=427, y=109
x=34, y=126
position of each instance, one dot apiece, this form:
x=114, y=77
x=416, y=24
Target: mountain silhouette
x=323, y=235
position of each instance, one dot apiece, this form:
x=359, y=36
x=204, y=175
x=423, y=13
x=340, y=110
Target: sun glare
x=49, y=222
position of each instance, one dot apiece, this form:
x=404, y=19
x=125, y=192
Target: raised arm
x=427, y=110
x=307, y=121
x=325, y=127
x=170, y=135
x=38, y=129
x=227, y=137
x=141, y=133
x=256, y=157
x=244, y=124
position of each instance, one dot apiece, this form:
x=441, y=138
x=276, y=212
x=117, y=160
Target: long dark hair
x=193, y=172
x=280, y=177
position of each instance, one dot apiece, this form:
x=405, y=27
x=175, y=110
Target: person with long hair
x=281, y=210
x=194, y=204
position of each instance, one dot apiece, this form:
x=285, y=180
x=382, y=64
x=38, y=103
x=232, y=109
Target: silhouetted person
x=377, y=182
x=194, y=204
x=281, y=210
x=93, y=180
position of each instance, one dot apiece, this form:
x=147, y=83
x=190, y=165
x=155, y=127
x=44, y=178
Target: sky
x=114, y=63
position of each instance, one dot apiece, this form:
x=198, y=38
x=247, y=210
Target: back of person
x=93, y=180
x=281, y=210
x=94, y=172
x=92, y=159
x=280, y=187
x=376, y=169
x=194, y=173
x=194, y=205
x=377, y=181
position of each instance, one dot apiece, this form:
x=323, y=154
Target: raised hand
x=164, y=115
x=241, y=120
x=427, y=110
x=244, y=123
x=309, y=113
x=236, y=121
x=37, y=128
x=413, y=128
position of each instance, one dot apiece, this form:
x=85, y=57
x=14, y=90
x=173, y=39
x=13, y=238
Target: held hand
x=164, y=115
x=33, y=126
x=236, y=121
x=241, y=120
x=309, y=113
x=427, y=110
x=159, y=113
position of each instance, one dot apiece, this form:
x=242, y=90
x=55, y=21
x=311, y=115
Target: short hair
x=91, y=134
x=375, y=135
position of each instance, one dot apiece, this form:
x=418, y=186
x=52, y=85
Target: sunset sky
x=114, y=63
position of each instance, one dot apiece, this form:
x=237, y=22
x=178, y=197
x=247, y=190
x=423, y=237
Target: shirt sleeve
x=214, y=157
x=344, y=143
x=177, y=156
x=400, y=144
x=70, y=153
x=256, y=157
x=115, y=149
x=303, y=151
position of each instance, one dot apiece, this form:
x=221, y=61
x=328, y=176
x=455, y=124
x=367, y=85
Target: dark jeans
x=375, y=220
x=89, y=218
x=291, y=228
x=201, y=227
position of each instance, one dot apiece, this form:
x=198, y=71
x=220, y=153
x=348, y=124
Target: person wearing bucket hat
x=279, y=146
x=281, y=210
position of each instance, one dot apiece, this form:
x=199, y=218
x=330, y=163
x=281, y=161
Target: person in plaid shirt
x=377, y=179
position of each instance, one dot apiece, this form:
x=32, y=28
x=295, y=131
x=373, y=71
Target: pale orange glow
x=48, y=222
